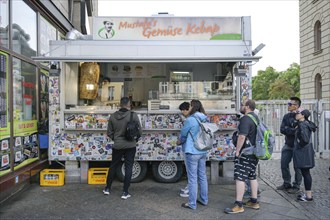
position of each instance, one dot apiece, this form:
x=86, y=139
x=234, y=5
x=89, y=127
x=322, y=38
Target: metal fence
x=271, y=112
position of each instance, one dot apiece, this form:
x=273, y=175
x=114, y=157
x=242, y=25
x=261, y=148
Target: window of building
x=317, y=36
x=24, y=95
x=4, y=22
x=24, y=29
x=318, y=86
x=47, y=33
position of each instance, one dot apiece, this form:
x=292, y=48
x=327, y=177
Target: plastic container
x=52, y=177
x=43, y=140
x=97, y=175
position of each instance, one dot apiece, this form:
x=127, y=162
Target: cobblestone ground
x=270, y=172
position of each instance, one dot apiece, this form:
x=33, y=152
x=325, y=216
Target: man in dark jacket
x=288, y=128
x=122, y=147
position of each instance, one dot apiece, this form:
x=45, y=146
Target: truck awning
x=148, y=52
x=147, y=59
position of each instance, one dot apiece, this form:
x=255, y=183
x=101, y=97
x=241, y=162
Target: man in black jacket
x=122, y=147
x=288, y=128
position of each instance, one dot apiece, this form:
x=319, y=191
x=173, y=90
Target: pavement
x=153, y=200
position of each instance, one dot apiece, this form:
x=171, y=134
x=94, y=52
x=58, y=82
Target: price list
x=3, y=90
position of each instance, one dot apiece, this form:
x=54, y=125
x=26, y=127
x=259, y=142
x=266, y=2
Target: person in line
x=247, y=193
x=288, y=128
x=245, y=164
x=121, y=147
x=185, y=110
x=303, y=152
x=195, y=159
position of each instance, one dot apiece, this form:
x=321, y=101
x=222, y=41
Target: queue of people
x=298, y=147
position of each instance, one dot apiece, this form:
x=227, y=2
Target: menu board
x=136, y=70
x=3, y=90
x=44, y=97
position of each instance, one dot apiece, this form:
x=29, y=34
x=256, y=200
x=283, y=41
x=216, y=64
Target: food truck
x=158, y=62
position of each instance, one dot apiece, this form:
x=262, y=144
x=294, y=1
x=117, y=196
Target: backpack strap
x=131, y=118
x=256, y=123
x=253, y=119
x=199, y=123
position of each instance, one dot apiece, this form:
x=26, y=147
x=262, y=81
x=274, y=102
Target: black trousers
x=307, y=178
x=128, y=154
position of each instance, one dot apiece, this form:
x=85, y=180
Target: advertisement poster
x=4, y=125
x=44, y=97
x=167, y=28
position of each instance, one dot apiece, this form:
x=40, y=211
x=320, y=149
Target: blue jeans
x=286, y=158
x=196, y=170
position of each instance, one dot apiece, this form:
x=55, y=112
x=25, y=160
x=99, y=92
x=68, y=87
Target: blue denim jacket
x=190, y=128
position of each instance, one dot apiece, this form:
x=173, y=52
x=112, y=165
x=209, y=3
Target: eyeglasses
x=290, y=104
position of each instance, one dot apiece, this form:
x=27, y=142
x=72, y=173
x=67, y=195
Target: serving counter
x=82, y=135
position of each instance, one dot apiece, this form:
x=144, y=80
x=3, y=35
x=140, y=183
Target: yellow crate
x=52, y=177
x=97, y=175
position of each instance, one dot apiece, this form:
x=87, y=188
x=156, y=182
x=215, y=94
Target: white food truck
x=158, y=62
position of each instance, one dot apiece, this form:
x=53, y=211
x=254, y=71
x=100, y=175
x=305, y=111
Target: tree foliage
x=261, y=83
x=270, y=84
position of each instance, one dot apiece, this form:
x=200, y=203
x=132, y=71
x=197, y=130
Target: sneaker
x=106, y=191
x=125, y=195
x=304, y=198
x=300, y=195
x=234, y=210
x=293, y=190
x=252, y=205
x=283, y=187
x=184, y=192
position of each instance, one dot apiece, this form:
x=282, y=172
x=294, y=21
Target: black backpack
x=132, y=130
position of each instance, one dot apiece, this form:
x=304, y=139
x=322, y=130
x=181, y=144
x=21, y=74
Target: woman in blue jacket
x=195, y=159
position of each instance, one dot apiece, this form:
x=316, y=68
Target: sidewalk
x=152, y=200
x=320, y=208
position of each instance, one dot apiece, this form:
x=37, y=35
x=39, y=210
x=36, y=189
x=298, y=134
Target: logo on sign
x=107, y=31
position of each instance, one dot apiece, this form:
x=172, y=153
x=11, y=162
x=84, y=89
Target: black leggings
x=307, y=178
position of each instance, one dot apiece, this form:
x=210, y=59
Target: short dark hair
x=251, y=104
x=196, y=106
x=296, y=99
x=124, y=102
x=184, y=106
x=104, y=22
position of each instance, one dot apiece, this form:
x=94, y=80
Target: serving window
x=152, y=81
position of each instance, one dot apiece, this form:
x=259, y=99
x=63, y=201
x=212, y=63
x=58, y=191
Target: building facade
x=315, y=49
x=26, y=27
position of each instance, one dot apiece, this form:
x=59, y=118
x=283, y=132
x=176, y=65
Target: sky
x=275, y=23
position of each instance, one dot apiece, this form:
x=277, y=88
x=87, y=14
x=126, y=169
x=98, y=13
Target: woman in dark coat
x=303, y=152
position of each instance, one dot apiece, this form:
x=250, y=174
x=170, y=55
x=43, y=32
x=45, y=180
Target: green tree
x=292, y=77
x=261, y=83
x=280, y=89
x=270, y=84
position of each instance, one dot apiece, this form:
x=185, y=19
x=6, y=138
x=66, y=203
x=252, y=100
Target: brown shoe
x=234, y=210
x=252, y=205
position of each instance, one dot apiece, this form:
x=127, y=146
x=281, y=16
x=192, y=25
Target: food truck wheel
x=167, y=171
x=139, y=171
